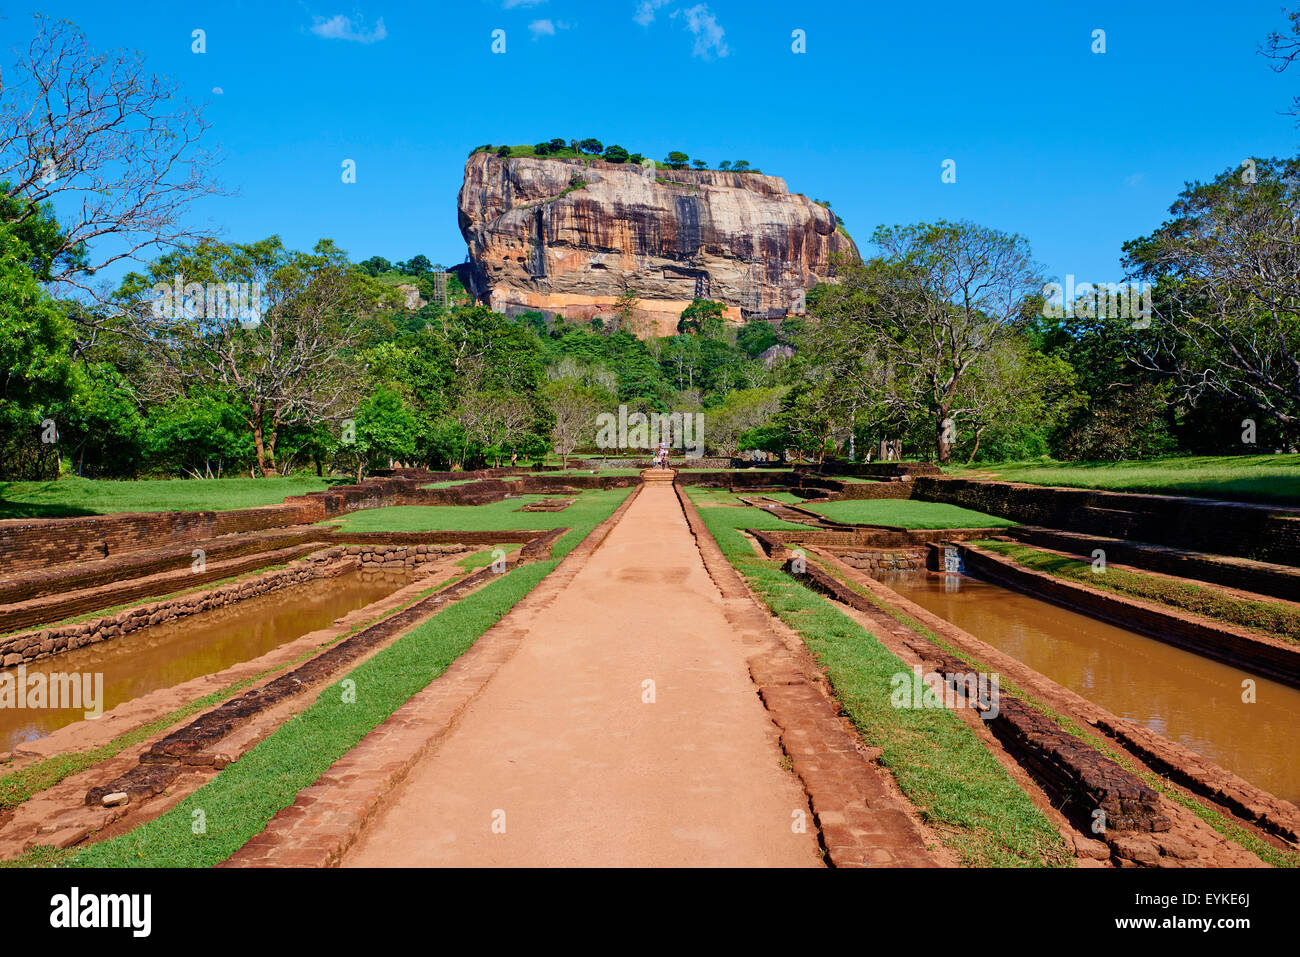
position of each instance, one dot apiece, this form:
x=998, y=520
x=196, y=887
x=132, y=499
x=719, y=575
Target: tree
x=699, y=164
x=36, y=366
x=503, y=152
x=740, y=413
x=111, y=142
x=624, y=306
x=1015, y=399
x=1283, y=49
x=725, y=165
x=755, y=337
x=908, y=327
x=677, y=159
x=740, y=166
x=616, y=154
x=375, y=266
x=202, y=435
x=385, y=431
x=1226, y=270
x=288, y=358
x=591, y=146
x=696, y=316
x=101, y=428
x=542, y=149
x=417, y=265
x=557, y=144
x=575, y=407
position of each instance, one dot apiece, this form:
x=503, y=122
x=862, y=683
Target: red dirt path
x=585, y=772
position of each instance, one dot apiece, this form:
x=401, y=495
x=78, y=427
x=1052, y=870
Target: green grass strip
x=1266, y=617
x=905, y=513
x=1245, y=478
x=943, y=768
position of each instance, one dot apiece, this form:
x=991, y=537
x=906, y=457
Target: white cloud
x=645, y=11
x=339, y=27
x=546, y=28
x=511, y=4
x=1133, y=179
x=708, y=35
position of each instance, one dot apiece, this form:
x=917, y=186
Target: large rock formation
x=569, y=236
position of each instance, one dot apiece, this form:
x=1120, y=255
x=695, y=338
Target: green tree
x=677, y=159
x=905, y=330
x=202, y=434
x=616, y=154
x=1227, y=299
x=287, y=351
x=375, y=266
x=37, y=371
x=591, y=146
x=695, y=316
x=385, y=431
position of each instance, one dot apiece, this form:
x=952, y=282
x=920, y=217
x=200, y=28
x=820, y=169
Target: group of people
x=661, y=456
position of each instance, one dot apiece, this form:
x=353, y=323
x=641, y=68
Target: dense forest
x=222, y=358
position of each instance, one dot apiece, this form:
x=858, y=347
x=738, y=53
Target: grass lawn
x=959, y=787
x=78, y=496
x=1273, y=479
x=906, y=513
x=500, y=515
x=1271, y=618
x=721, y=496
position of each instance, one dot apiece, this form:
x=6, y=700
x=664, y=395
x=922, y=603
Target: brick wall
x=1262, y=532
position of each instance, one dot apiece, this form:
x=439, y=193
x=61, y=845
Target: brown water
x=1185, y=697
x=201, y=644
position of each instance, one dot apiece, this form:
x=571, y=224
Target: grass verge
x=905, y=513
x=504, y=514
x=78, y=496
x=1273, y=479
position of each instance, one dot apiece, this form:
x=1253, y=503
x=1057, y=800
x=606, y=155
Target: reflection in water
x=1179, y=694
x=201, y=644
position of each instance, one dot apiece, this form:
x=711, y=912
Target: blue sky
x=1075, y=150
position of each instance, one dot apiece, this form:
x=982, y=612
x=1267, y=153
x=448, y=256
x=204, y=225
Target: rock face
x=569, y=236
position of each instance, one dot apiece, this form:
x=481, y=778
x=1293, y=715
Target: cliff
x=568, y=236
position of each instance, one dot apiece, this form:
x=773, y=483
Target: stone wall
x=1262, y=532
x=870, y=560
x=1261, y=578
x=37, y=543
